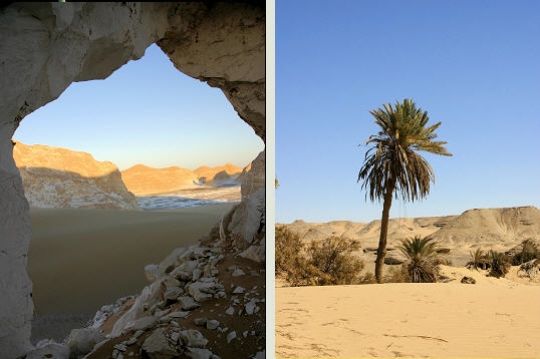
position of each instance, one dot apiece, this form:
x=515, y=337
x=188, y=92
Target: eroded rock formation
x=60, y=178
x=144, y=180
x=44, y=47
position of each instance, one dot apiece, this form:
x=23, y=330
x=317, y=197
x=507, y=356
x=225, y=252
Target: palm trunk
x=381, y=250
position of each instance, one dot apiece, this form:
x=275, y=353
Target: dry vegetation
x=334, y=261
x=324, y=262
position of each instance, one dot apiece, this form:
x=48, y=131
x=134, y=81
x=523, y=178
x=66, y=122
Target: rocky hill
x=60, y=178
x=208, y=174
x=492, y=228
x=143, y=180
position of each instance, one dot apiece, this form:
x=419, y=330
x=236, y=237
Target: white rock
x=151, y=271
x=178, y=314
x=193, y=338
x=238, y=272
x=239, y=290
x=250, y=307
x=157, y=345
x=149, y=297
x=141, y=323
x=230, y=311
x=173, y=293
x=187, y=303
x=49, y=351
x=231, y=336
x=212, y=324
x=67, y=42
x=82, y=341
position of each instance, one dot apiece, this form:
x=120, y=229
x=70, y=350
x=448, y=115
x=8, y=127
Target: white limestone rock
x=82, y=341
x=48, y=46
x=157, y=346
x=193, y=338
x=48, y=351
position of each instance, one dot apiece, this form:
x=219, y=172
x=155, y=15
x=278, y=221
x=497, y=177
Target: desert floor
x=495, y=318
x=81, y=259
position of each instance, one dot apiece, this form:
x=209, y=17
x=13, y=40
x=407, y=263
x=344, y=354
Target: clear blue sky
x=474, y=65
x=145, y=112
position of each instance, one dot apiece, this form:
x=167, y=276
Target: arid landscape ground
x=101, y=235
x=494, y=317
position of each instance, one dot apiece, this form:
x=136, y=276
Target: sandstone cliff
x=60, y=178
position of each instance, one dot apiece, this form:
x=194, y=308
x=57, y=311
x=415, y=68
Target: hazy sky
x=474, y=65
x=145, y=112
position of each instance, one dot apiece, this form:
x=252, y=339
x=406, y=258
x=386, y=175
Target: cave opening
x=118, y=173
x=46, y=47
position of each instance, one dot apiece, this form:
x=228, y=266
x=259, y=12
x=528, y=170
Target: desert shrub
x=325, y=262
x=500, y=264
x=529, y=251
x=288, y=247
x=367, y=278
x=291, y=260
x=396, y=274
x=335, y=262
x=479, y=260
x=423, y=260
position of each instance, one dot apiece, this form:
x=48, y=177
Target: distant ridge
x=145, y=180
x=489, y=228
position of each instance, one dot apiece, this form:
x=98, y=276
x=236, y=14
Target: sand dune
x=81, y=259
x=494, y=318
x=452, y=320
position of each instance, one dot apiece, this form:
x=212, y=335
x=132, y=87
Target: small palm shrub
x=335, y=262
x=479, y=260
x=529, y=251
x=423, y=261
x=500, y=264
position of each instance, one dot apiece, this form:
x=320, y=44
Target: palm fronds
x=500, y=264
x=479, y=260
x=393, y=153
x=422, y=259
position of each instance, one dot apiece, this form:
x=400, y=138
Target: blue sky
x=145, y=112
x=474, y=65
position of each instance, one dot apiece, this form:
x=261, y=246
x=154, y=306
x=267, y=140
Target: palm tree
x=422, y=259
x=393, y=162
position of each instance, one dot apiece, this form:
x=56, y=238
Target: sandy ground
x=495, y=318
x=81, y=259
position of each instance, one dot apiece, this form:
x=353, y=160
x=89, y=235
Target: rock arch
x=44, y=47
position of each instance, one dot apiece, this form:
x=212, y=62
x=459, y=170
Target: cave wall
x=44, y=47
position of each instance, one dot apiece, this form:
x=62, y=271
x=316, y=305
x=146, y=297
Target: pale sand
x=491, y=319
x=81, y=259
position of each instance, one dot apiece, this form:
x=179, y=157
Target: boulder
x=468, y=280
x=193, y=338
x=157, y=346
x=81, y=341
